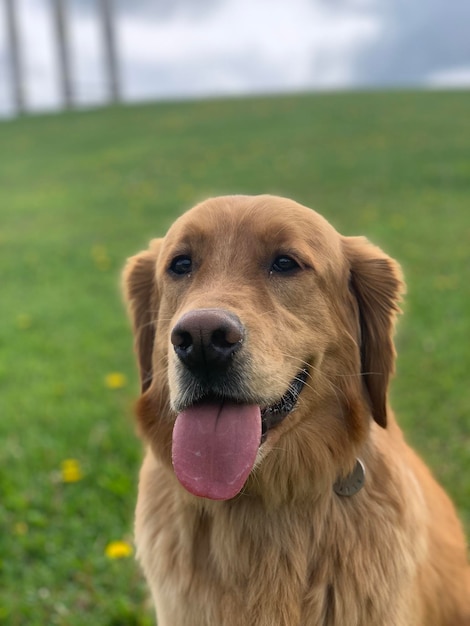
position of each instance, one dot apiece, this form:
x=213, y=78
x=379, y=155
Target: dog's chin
x=272, y=415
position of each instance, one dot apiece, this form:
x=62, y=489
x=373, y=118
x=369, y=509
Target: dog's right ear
x=140, y=292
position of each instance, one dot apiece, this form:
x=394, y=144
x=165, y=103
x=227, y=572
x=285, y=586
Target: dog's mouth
x=216, y=440
x=273, y=415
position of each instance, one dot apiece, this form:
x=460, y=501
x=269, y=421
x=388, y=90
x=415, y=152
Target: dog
x=277, y=487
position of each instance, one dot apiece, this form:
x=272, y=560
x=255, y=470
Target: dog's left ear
x=376, y=283
x=140, y=292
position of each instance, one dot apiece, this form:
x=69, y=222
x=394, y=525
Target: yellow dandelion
x=20, y=528
x=101, y=258
x=118, y=550
x=24, y=321
x=71, y=471
x=115, y=380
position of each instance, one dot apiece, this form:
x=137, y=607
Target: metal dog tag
x=352, y=483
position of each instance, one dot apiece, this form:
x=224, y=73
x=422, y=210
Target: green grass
x=80, y=192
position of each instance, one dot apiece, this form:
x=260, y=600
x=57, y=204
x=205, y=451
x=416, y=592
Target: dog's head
x=260, y=331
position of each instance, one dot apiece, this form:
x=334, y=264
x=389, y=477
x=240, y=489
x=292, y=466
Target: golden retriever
x=277, y=488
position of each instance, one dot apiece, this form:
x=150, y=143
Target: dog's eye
x=181, y=265
x=283, y=264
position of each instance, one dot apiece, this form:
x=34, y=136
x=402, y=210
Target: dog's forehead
x=266, y=220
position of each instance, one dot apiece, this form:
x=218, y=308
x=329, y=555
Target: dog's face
x=258, y=327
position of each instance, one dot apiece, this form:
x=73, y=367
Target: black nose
x=205, y=340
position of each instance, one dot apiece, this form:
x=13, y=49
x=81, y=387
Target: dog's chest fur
x=292, y=566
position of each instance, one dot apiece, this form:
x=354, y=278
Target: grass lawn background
x=80, y=192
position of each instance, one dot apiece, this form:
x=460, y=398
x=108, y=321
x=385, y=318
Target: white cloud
x=453, y=77
x=86, y=56
x=38, y=53
x=239, y=46
x=244, y=46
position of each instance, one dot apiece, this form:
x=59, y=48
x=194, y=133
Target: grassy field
x=80, y=192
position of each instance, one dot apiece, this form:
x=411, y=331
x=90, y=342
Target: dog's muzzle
x=219, y=428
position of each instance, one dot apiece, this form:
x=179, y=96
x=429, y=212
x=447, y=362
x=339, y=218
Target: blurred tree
x=16, y=70
x=110, y=52
x=59, y=9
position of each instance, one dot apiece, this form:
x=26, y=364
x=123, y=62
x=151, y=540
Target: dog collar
x=353, y=482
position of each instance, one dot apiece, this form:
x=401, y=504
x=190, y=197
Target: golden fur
x=289, y=551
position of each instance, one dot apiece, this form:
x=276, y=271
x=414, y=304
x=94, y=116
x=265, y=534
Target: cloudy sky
x=195, y=48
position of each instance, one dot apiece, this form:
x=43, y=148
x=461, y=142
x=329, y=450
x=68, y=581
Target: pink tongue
x=214, y=448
